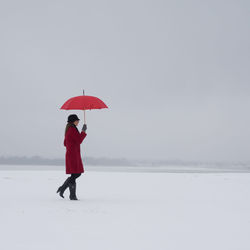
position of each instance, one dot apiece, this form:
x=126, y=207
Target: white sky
x=175, y=75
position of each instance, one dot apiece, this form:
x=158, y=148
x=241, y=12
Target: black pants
x=73, y=177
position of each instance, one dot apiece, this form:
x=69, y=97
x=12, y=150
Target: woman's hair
x=69, y=124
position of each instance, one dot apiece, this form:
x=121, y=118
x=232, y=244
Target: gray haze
x=175, y=75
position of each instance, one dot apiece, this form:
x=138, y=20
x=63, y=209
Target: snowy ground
x=125, y=211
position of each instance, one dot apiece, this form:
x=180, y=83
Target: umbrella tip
x=83, y=92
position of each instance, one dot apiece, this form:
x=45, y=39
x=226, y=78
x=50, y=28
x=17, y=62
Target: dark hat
x=72, y=118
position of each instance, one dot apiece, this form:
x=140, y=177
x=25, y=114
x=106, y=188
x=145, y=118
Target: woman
x=72, y=140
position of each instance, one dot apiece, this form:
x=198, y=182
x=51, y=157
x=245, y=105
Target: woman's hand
x=84, y=127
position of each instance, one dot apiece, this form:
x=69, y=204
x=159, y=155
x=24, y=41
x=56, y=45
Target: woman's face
x=76, y=122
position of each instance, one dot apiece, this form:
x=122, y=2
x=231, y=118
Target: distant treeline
x=38, y=160
x=105, y=161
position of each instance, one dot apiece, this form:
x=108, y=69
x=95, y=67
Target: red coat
x=72, y=141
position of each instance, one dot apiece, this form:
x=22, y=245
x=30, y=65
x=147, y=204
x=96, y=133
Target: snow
x=125, y=211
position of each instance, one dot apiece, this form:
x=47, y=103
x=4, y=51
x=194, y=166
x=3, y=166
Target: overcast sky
x=175, y=75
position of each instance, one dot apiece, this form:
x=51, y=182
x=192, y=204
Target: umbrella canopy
x=84, y=102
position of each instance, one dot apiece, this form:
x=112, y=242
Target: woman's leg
x=72, y=186
x=73, y=177
x=64, y=186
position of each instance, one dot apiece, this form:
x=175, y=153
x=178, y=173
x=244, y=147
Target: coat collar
x=73, y=125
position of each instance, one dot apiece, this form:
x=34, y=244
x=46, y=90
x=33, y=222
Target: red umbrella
x=84, y=102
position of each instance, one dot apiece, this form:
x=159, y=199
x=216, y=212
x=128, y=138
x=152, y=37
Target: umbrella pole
x=84, y=117
x=84, y=109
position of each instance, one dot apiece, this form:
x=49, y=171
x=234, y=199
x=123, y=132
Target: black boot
x=64, y=186
x=72, y=190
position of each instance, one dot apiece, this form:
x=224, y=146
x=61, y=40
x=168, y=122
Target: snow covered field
x=125, y=211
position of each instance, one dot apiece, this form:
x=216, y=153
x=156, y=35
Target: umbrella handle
x=84, y=117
